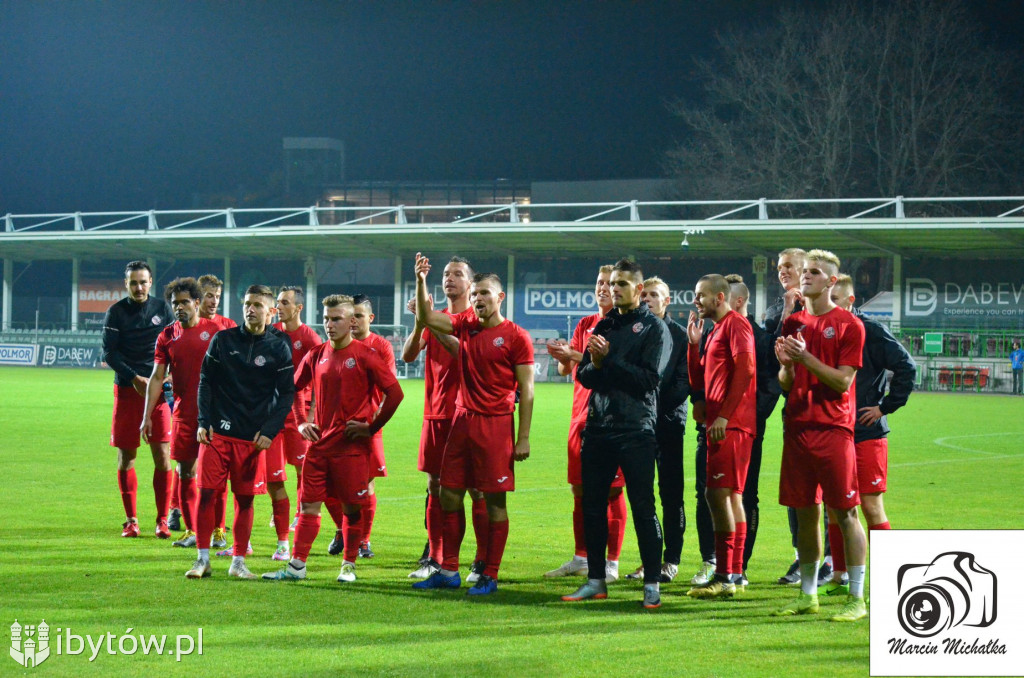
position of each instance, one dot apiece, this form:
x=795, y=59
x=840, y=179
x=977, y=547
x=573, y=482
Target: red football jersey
x=729, y=337
x=581, y=394
x=386, y=351
x=303, y=340
x=182, y=350
x=488, y=357
x=836, y=338
x=441, y=374
x=223, y=322
x=343, y=382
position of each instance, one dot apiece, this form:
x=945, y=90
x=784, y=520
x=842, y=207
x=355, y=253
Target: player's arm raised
x=425, y=314
x=524, y=377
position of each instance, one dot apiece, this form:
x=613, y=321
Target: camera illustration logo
x=951, y=590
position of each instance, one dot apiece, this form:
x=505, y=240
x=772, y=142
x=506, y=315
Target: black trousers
x=750, y=499
x=601, y=455
x=705, y=528
x=670, y=487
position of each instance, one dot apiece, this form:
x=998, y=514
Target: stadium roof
x=517, y=229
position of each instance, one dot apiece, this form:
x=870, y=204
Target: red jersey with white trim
x=302, y=340
x=182, y=350
x=343, y=382
x=441, y=375
x=580, y=393
x=729, y=337
x=836, y=338
x=488, y=357
x=223, y=322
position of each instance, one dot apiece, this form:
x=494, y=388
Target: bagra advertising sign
x=96, y=296
x=955, y=294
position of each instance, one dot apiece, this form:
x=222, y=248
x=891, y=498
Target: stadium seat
x=970, y=378
x=945, y=377
x=983, y=378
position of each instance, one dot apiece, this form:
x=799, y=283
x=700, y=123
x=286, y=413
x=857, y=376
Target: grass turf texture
x=60, y=517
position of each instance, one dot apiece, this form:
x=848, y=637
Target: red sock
x=205, y=520
x=616, y=525
x=337, y=515
x=879, y=526
x=129, y=486
x=161, y=487
x=737, y=551
x=282, y=509
x=221, y=510
x=481, y=528
x=175, y=493
x=435, y=527
x=352, y=529
x=368, y=511
x=835, y=542
x=725, y=543
x=453, y=530
x=497, y=535
x=242, y=526
x=187, y=499
x=305, y=534
x=577, y=527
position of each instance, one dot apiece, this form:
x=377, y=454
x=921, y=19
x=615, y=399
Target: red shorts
x=817, y=464
x=231, y=458
x=479, y=453
x=378, y=469
x=433, y=437
x=129, y=407
x=337, y=476
x=872, y=465
x=184, y=445
x=575, y=464
x=729, y=459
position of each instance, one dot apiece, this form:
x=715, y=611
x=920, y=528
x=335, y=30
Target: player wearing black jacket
x=246, y=388
x=625, y=359
x=130, y=329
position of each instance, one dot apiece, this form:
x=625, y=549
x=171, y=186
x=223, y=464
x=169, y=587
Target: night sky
x=139, y=105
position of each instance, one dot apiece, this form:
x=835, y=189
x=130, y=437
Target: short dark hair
x=183, y=285
x=488, y=277
x=461, y=260
x=300, y=296
x=629, y=266
x=261, y=290
x=362, y=300
x=137, y=265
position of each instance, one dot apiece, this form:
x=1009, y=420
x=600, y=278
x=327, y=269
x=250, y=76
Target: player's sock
x=809, y=577
x=368, y=512
x=204, y=554
x=857, y=580
x=725, y=546
x=128, y=484
x=452, y=540
x=579, y=539
x=187, y=501
x=175, y=493
x=221, y=507
x=337, y=515
x=435, y=527
x=282, y=509
x=205, y=520
x=161, y=491
x=737, y=552
x=305, y=534
x=352, y=528
x=878, y=526
x=242, y=527
x=616, y=526
x=481, y=527
x=835, y=541
x=497, y=535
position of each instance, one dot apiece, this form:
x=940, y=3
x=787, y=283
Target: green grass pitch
x=956, y=462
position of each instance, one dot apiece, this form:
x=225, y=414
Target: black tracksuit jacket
x=883, y=356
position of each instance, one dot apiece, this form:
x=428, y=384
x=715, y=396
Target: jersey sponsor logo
x=156, y=320
x=258, y=485
x=259, y=361
x=829, y=332
x=350, y=363
x=637, y=327
x=204, y=335
x=500, y=341
x=298, y=344
x=225, y=424
x=717, y=476
x=502, y=479
x=850, y=495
